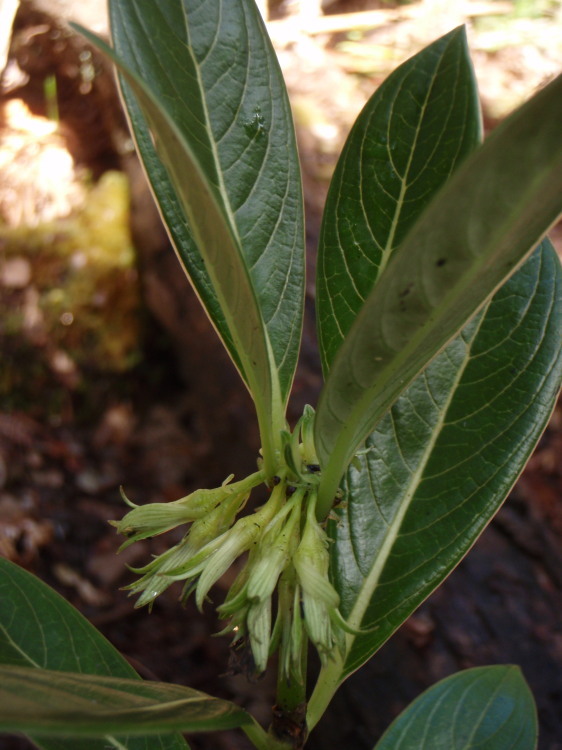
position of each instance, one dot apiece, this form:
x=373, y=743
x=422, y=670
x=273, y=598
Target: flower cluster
x=282, y=595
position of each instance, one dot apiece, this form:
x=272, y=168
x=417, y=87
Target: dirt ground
x=110, y=375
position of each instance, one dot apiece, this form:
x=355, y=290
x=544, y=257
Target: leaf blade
x=217, y=242
x=61, y=704
x=470, y=427
x=410, y=136
x=440, y=463
x=250, y=133
x=466, y=243
x=489, y=708
x=39, y=628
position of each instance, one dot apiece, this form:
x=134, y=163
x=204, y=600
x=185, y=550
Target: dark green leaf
x=61, y=704
x=212, y=66
x=38, y=628
x=189, y=157
x=414, y=131
x=442, y=460
x=486, y=708
x=473, y=235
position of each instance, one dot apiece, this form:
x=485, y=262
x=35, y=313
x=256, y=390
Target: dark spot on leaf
x=440, y=262
x=256, y=126
x=405, y=292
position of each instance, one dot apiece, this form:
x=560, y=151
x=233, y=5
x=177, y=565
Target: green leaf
x=212, y=67
x=38, y=628
x=486, y=708
x=219, y=181
x=480, y=227
x=61, y=704
x=440, y=463
x=413, y=132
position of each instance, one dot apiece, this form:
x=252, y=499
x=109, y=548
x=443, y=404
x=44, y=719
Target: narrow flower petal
x=259, y=627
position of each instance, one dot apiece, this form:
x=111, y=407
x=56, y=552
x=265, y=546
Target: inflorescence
x=282, y=596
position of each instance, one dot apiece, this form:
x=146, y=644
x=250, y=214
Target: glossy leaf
x=38, y=628
x=486, y=708
x=190, y=158
x=413, y=132
x=440, y=463
x=212, y=66
x=62, y=704
x=477, y=230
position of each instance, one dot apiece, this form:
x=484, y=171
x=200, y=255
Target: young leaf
x=442, y=460
x=62, y=704
x=486, y=708
x=413, y=132
x=38, y=628
x=212, y=68
x=477, y=230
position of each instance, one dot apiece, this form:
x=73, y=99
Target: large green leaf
x=479, y=228
x=212, y=67
x=442, y=460
x=61, y=704
x=221, y=155
x=38, y=628
x=412, y=133
x=486, y=708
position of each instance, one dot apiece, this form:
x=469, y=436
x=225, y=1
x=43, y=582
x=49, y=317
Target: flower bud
x=249, y=600
x=275, y=550
x=259, y=628
x=156, y=518
x=319, y=598
x=237, y=540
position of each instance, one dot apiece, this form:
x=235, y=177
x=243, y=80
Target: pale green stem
x=291, y=693
x=271, y=422
x=262, y=740
x=327, y=489
x=328, y=682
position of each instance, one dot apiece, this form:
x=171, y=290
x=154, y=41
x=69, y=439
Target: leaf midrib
x=218, y=168
x=386, y=253
x=371, y=580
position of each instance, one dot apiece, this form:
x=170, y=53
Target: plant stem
x=289, y=713
x=261, y=739
x=329, y=680
x=329, y=484
x=271, y=422
x=291, y=693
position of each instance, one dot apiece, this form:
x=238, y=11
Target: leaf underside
x=480, y=227
x=486, y=708
x=410, y=136
x=213, y=69
x=38, y=628
x=440, y=463
x=53, y=703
